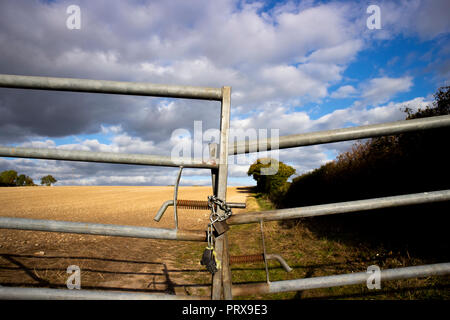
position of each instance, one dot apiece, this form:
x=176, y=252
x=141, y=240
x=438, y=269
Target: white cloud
x=428, y=19
x=340, y=54
x=303, y=159
x=111, y=129
x=380, y=90
x=274, y=60
x=39, y=144
x=375, y=91
x=200, y=43
x=344, y=92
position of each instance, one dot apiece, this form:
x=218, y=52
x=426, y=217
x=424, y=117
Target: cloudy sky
x=295, y=66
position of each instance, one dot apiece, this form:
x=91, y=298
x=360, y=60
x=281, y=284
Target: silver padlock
x=220, y=227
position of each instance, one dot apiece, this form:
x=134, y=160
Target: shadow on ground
x=420, y=230
x=22, y=270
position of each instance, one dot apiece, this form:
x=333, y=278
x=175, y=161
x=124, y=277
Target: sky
x=294, y=67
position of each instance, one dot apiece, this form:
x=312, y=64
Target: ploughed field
x=40, y=259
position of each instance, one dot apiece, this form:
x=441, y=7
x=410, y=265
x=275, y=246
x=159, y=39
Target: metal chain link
x=213, y=201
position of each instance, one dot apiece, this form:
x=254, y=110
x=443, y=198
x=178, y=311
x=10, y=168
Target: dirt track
x=30, y=258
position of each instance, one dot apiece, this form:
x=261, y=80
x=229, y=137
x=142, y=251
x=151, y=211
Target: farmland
x=40, y=259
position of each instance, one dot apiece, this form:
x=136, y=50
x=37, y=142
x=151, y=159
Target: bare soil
x=40, y=259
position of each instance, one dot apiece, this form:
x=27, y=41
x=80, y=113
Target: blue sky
x=295, y=66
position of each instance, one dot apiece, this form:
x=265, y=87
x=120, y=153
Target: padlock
x=209, y=260
x=220, y=227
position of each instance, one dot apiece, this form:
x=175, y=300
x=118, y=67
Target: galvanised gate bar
x=222, y=287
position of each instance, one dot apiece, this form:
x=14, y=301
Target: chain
x=213, y=203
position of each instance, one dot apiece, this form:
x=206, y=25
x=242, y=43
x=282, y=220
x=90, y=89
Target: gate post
x=221, y=187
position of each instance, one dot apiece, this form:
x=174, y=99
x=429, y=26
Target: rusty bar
x=203, y=204
x=260, y=258
x=246, y=258
x=192, y=204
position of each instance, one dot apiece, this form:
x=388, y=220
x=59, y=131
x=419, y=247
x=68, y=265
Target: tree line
x=406, y=163
x=382, y=166
x=10, y=178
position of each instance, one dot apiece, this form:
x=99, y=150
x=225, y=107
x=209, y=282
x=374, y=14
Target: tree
x=382, y=166
x=8, y=178
x=441, y=106
x=270, y=183
x=29, y=181
x=24, y=180
x=20, y=181
x=48, y=180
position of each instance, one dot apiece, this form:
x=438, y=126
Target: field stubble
x=40, y=259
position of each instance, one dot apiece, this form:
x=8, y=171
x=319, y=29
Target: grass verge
x=311, y=254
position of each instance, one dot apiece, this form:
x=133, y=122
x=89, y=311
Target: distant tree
x=48, y=180
x=8, y=178
x=20, y=181
x=24, y=180
x=272, y=183
x=29, y=181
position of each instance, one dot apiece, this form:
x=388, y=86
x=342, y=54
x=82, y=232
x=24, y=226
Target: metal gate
x=222, y=287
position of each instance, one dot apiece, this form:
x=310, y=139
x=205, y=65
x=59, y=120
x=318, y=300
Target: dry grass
x=311, y=254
